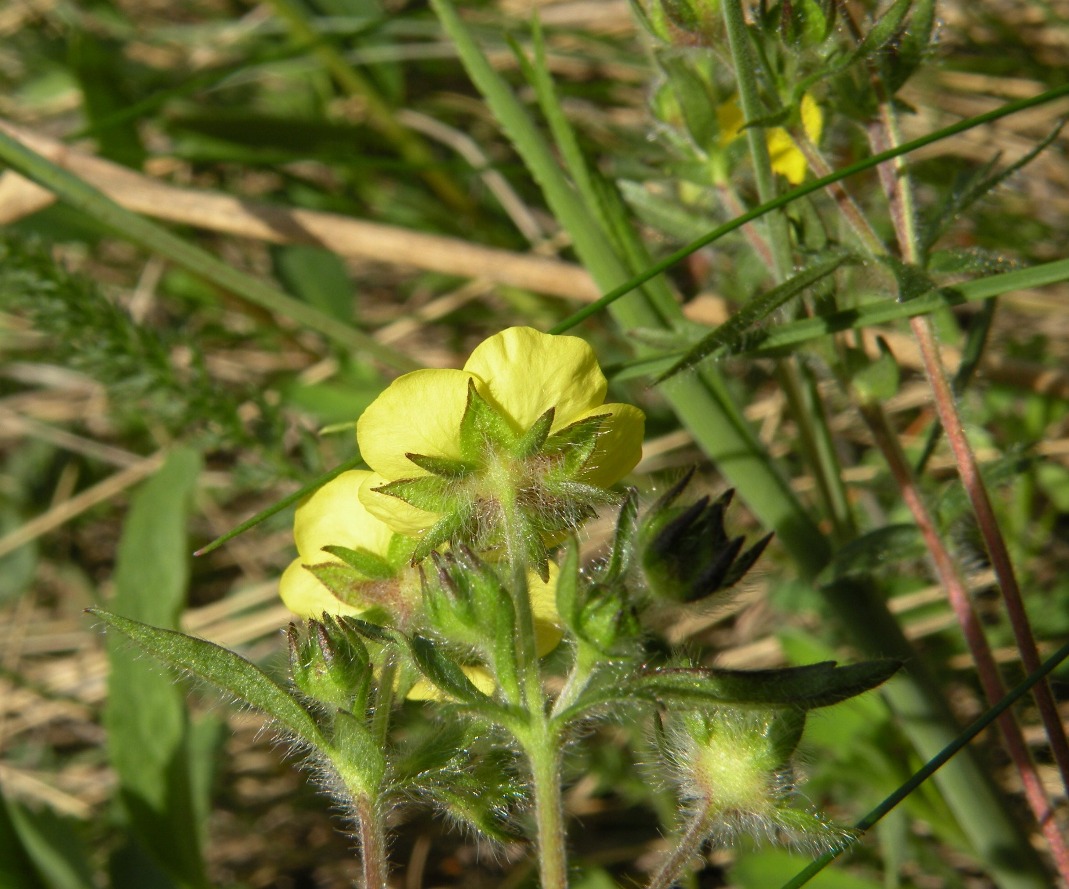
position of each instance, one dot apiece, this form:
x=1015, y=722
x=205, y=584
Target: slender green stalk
x=544, y=753
x=973, y=633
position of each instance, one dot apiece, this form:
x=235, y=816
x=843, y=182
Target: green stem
x=799, y=388
x=689, y=846
x=371, y=833
x=544, y=755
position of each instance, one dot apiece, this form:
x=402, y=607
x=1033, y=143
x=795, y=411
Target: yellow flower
x=519, y=439
x=334, y=516
x=388, y=589
x=787, y=159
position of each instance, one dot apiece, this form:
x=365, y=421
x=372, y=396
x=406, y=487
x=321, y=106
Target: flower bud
x=330, y=664
x=685, y=552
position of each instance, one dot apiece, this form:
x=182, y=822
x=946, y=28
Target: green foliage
x=154, y=377
x=339, y=105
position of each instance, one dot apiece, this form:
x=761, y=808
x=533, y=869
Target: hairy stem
x=689, y=846
x=370, y=829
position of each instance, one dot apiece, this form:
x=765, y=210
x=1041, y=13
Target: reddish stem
x=986, y=668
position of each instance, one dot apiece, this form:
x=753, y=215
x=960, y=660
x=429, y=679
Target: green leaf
x=805, y=688
x=222, y=668
x=445, y=674
x=815, y=685
x=316, y=276
x=40, y=850
x=729, y=334
x=875, y=551
x=361, y=752
x=146, y=717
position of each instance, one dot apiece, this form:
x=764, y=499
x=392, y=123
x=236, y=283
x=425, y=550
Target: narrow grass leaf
x=801, y=191
x=41, y=850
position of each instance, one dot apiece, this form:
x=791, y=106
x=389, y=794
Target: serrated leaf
x=222, y=668
x=815, y=685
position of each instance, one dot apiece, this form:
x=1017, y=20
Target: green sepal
x=357, y=750
x=223, y=669
x=447, y=529
x=532, y=441
x=467, y=603
x=623, y=542
x=785, y=732
x=443, y=466
x=482, y=428
x=685, y=552
x=806, y=23
x=607, y=618
x=373, y=632
x=572, y=447
x=370, y=565
x=568, y=601
x=344, y=582
x=432, y=493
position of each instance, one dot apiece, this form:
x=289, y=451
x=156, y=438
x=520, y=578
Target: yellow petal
x=544, y=609
x=525, y=372
x=729, y=117
x=394, y=512
x=418, y=413
x=307, y=597
x=619, y=444
x=423, y=690
x=334, y=516
x=812, y=118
